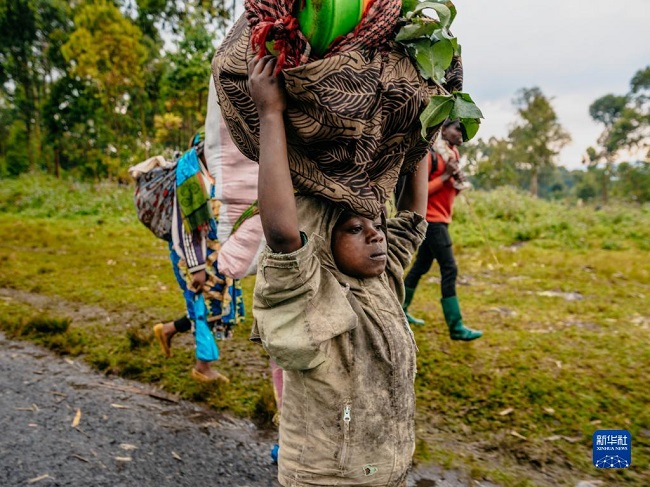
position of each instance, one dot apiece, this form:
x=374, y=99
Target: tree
x=587, y=183
x=537, y=137
x=81, y=92
x=640, y=99
x=7, y=118
x=105, y=51
x=171, y=14
x=31, y=32
x=77, y=127
x=185, y=84
x=607, y=110
x=491, y=163
x=633, y=181
x=626, y=121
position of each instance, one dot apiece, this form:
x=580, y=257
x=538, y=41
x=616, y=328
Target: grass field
x=561, y=293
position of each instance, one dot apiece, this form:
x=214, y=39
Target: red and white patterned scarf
x=273, y=19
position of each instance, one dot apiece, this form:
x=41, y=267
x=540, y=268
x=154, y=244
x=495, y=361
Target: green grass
x=80, y=275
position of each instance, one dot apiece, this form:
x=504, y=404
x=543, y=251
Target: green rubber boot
x=457, y=331
x=408, y=297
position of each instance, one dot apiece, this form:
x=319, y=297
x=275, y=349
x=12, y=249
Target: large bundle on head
x=352, y=114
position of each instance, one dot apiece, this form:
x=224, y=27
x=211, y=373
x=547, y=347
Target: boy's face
x=359, y=246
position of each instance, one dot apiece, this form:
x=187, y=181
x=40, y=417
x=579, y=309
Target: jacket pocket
x=345, y=447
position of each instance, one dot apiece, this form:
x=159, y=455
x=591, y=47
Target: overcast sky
x=575, y=51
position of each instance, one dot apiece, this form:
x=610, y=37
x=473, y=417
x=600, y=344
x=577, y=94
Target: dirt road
x=123, y=436
x=62, y=424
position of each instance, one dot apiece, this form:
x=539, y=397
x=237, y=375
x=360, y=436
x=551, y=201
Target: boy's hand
x=266, y=89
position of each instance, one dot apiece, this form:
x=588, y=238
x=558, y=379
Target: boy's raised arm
x=275, y=190
x=414, y=194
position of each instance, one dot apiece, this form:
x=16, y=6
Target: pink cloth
x=276, y=376
x=238, y=255
x=236, y=187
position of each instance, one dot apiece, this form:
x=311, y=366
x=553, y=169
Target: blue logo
x=612, y=449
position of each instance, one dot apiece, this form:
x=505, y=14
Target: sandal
x=160, y=335
x=200, y=377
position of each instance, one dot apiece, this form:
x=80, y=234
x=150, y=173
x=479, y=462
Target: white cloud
x=572, y=111
x=499, y=114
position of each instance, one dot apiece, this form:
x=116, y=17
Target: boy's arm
x=406, y=230
x=414, y=193
x=299, y=307
x=275, y=190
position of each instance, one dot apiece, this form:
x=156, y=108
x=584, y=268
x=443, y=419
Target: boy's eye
x=355, y=229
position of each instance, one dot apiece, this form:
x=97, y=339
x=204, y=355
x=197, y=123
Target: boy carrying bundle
x=327, y=305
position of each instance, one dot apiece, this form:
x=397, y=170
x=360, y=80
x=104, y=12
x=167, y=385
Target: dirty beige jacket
x=348, y=356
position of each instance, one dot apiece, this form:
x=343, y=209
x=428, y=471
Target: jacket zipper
x=346, y=436
x=412, y=335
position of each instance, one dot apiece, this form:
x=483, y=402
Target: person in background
x=442, y=160
x=193, y=253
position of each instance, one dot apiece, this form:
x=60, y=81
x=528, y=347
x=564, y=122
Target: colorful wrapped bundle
x=352, y=111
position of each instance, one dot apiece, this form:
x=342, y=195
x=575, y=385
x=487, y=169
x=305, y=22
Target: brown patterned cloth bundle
x=352, y=117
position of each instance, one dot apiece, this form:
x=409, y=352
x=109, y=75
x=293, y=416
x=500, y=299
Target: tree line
x=527, y=156
x=90, y=87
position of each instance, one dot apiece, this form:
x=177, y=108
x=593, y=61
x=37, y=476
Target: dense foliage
x=92, y=87
x=432, y=46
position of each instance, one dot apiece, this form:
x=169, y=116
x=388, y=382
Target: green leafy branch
x=432, y=47
x=455, y=106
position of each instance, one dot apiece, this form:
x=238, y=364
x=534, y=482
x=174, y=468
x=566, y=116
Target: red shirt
x=441, y=193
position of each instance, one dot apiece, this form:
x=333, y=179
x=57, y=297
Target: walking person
x=443, y=187
x=327, y=306
x=228, y=251
x=193, y=253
